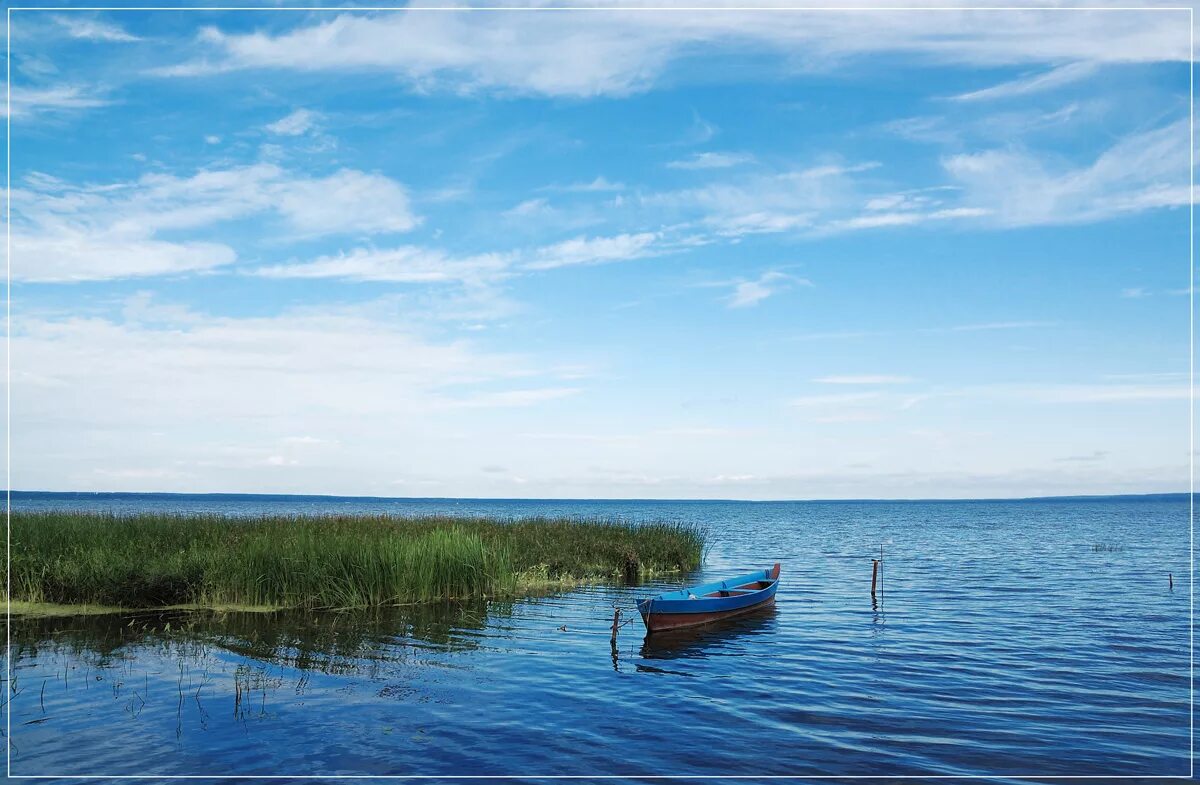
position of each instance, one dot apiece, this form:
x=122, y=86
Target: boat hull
x=661, y=622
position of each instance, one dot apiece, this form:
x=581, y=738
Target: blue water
x=1014, y=639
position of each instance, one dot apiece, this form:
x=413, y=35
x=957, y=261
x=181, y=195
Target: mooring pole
x=874, y=576
x=616, y=624
x=1170, y=582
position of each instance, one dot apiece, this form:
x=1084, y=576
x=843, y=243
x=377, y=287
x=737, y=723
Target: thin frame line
x=8, y=392
x=734, y=9
x=1191, y=394
x=1191, y=389
x=693, y=777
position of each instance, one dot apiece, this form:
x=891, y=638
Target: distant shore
x=25, y=495
x=65, y=561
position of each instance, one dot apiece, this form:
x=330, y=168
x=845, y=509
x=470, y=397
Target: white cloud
x=212, y=139
x=701, y=131
x=619, y=52
x=93, y=29
x=875, y=220
x=1049, y=393
x=780, y=202
x=601, y=183
x=711, y=161
x=29, y=101
x=835, y=399
x=1089, y=393
x=987, y=326
x=865, y=379
x=802, y=199
x=749, y=293
x=510, y=398
x=415, y=264
x=593, y=250
x=70, y=255
x=406, y=264
x=1036, y=83
x=364, y=380
x=66, y=232
x=1005, y=187
x=530, y=207
x=1139, y=172
x=298, y=122
x=347, y=201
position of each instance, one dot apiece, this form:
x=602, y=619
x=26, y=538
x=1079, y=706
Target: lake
x=1014, y=639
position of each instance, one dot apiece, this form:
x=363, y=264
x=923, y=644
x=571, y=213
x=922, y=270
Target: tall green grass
x=323, y=561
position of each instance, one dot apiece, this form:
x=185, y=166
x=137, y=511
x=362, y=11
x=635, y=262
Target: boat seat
x=730, y=592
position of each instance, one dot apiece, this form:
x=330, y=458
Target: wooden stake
x=616, y=620
x=1170, y=581
x=874, y=576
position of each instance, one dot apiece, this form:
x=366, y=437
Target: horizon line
x=1060, y=497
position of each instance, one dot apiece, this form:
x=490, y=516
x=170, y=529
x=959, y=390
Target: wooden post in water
x=1170, y=582
x=616, y=620
x=874, y=576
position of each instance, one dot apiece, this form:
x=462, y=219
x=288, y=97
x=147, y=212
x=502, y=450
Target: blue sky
x=782, y=254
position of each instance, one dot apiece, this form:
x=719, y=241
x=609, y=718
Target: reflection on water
x=737, y=635
x=1009, y=645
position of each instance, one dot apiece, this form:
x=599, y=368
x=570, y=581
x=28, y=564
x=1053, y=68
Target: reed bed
x=314, y=562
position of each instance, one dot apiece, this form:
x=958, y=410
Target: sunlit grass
x=324, y=561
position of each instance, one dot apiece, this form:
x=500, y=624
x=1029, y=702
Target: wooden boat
x=710, y=602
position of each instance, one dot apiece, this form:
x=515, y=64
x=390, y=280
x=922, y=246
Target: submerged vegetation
x=74, y=558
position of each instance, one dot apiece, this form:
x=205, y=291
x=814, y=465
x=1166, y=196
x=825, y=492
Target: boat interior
x=747, y=588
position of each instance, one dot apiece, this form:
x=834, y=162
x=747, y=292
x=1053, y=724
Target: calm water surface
x=1014, y=639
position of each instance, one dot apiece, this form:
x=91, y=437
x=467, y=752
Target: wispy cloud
x=406, y=264
x=794, y=200
x=835, y=399
x=622, y=52
x=711, y=161
x=93, y=29
x=593, y=250
x=64, y=232
x=749, y=293
x=989, y=326
x=1092, y=457
x=529, y=208
x=29, y=101
x=955, y=328
x=1035, y=83
x=297, y=123
x=422, y=265
x=865, y=379
x=1043, y=393
x=1139, y=172
x=700, y=131
x=599, y=185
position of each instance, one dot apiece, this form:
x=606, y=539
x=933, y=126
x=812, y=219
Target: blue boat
x=710, y=602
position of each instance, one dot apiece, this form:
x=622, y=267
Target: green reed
x=323, y=561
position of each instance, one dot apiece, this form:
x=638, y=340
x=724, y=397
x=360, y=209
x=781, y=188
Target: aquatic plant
x=334, y=561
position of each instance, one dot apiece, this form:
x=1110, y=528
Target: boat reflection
x=713, y=638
